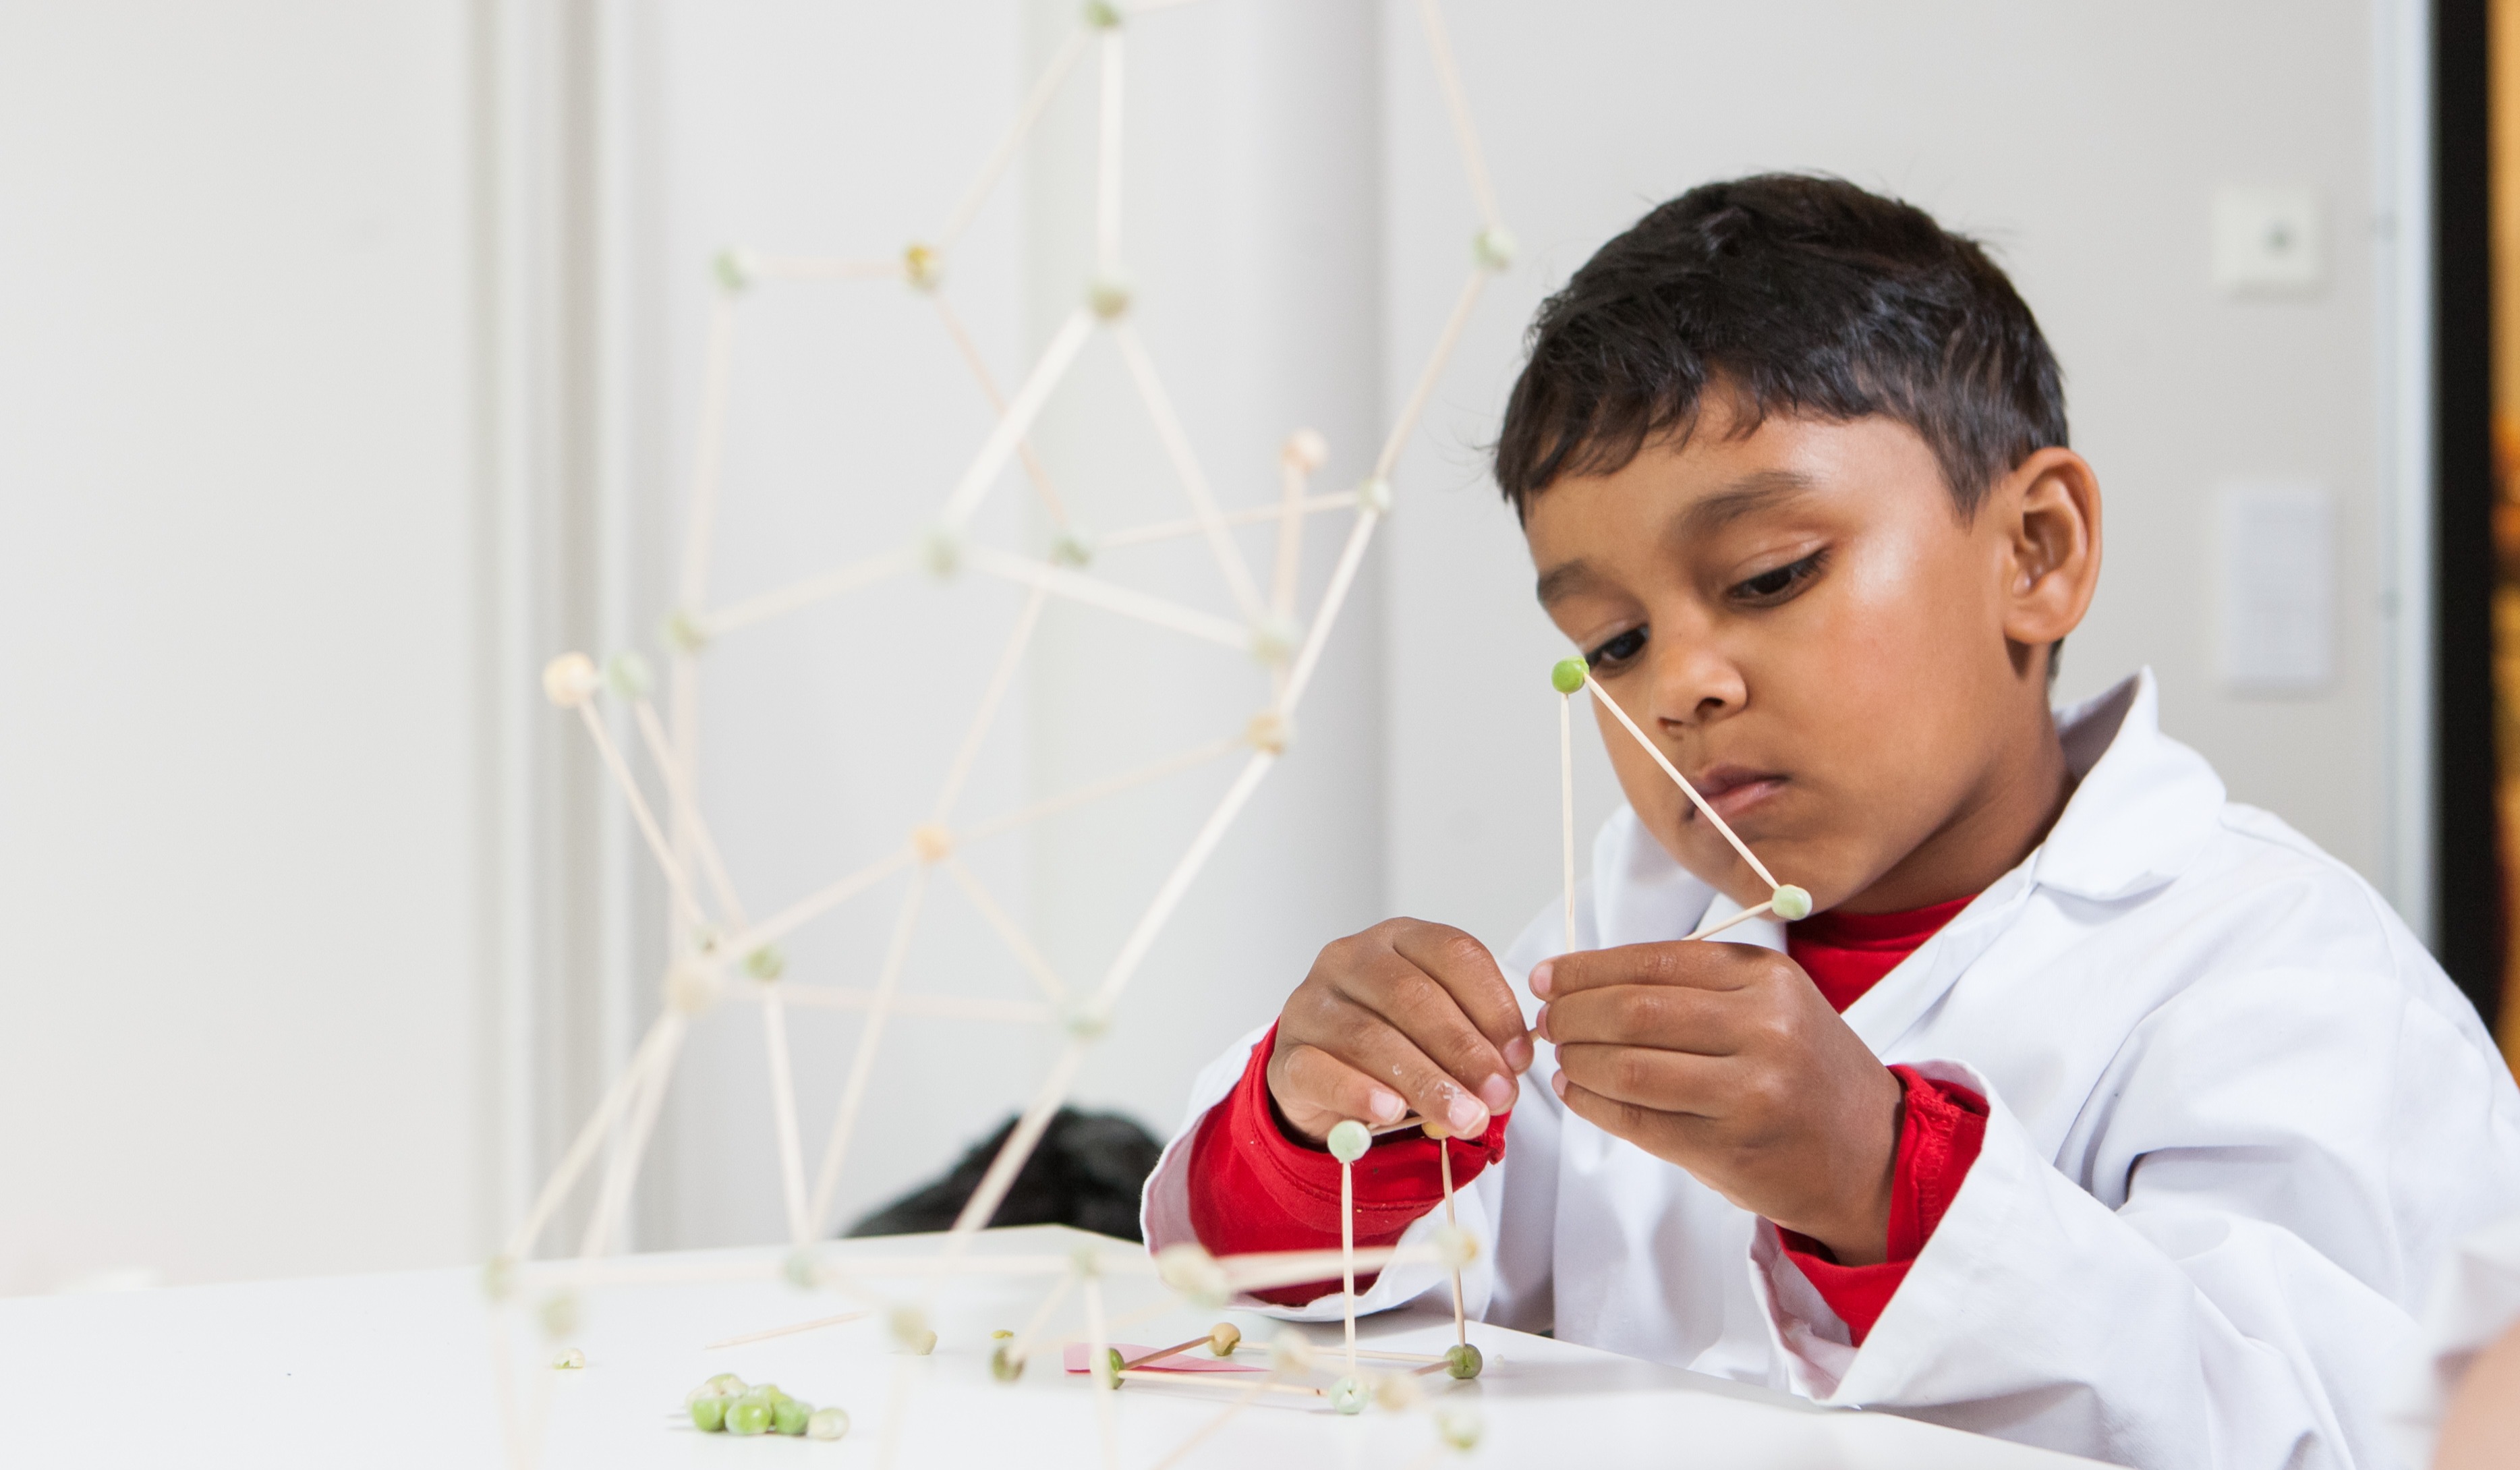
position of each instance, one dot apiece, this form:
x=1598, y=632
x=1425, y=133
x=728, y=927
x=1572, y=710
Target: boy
x=2088, y=1109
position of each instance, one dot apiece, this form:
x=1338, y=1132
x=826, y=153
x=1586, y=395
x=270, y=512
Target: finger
x=1425, y=1012
x=1317, y=1091
x=1463, y=966
x=1709, y=1023
x=1697, y=964
x=1392, y=1058
x=1661, y=1081
x=1669, y=1135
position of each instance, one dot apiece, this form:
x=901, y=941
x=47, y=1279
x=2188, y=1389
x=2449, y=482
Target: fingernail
x=1497, y=1093
x=1386, y=1106
x=1539, y=1024
x=1517, y=1053
x=1466, y=1116
x=1557, y=1082
x=1540, y=974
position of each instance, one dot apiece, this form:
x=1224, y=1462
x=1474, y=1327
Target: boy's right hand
x=1405, y=1017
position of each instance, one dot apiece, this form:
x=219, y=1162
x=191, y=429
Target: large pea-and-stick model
x=726, y=953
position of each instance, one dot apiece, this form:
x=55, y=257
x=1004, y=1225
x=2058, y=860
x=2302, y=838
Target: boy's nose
x=1695, y=684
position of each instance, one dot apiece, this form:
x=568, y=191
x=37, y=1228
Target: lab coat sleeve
x=2245, y=1294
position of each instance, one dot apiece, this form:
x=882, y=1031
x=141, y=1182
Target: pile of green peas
x=727, y=1405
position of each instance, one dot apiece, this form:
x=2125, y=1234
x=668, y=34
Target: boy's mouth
x=1732, y=790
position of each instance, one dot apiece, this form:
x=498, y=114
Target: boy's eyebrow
x=1754, y=492
x=1564, y=580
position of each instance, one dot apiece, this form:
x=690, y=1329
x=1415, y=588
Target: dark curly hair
x=1795, y=294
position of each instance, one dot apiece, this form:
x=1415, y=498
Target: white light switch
x=2267, y=241
x=2277, y=564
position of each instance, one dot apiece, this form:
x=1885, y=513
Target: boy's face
x=1852, y=673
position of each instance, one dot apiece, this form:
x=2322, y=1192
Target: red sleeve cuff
x=1942, y=1125
x=1254, y=1188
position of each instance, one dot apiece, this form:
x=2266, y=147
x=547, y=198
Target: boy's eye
x=1618, y=650
x=1777, y=584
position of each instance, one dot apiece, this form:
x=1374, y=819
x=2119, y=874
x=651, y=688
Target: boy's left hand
x=1724, y=1060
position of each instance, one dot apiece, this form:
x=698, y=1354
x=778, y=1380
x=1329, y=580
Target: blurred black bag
x=1087, y=1172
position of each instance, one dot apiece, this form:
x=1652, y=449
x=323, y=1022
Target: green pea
x=1462, y=1360
x=828, y=1423
x=790, y=1415
x=708, y=1414
x=727, y=1385
x=749, y=1415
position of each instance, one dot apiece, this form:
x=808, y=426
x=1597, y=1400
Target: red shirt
x=1252, y=1187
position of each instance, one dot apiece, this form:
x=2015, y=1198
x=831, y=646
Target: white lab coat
x=2237, y=1116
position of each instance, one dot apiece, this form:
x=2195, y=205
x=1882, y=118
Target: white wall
x=236, y=762
x=2083, y=143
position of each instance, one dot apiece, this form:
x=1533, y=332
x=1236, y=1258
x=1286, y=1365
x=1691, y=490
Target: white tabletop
x=398, y=1369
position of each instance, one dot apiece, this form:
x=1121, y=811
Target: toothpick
x=1718, y=926
x=1461, y=1325
x=787, y=1331
x=1347, y=1254
x=1566, y=804
x=1673, y=771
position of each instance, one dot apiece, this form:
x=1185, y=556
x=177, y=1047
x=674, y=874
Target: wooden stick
x=1018, y=942
x=1010, y=660
x=936, y=1007
x=1142, y=1359
x=1263, y=1269
x=1710, y=930
x=788, y=599
x=590, y=1138
x=1566, y=804
x=1110, y=597
x=982, y=1206
x=687, y=826
x=1457, y=106
x=835, y=1148
x=1167, y=530
x=1385, y=1354
x=1107, y=153
x=1098, y=1339
x=782, y=1110
x=1247, y=1397
x=1133, y=952
x=708, y=452
x=675, y=880
x=1194, y=479
x=1333, y=597
x=1022, y=1347
x=1291, y=478
x=821, y=268
x=1425, y=389
x=1061, y=63
x=621, y=1173
x=1034, y=469
x=1347, y=1253
x=1198, y=1380
x=1673, y=771
x=1171, y=766
x=1017, y=422
x=779, y=925
x=789, y=1330
x=1461, y=1324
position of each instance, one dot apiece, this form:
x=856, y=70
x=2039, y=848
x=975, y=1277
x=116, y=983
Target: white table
x=396, y=1369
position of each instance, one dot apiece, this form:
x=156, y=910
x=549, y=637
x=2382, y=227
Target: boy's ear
x=2047, y=512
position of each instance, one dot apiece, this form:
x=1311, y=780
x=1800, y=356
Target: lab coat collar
x=2144, y=806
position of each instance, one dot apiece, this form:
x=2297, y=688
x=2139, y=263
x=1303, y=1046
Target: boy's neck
x=2006, y=813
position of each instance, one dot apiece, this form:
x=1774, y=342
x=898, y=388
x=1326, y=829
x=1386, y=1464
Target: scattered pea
x=1005, y=1366
x=708, y=1412
x=827, y=1423
x=788, y=1416
x=751, y=1414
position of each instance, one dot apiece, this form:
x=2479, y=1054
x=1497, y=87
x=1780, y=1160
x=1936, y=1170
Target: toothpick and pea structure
x=728, y=953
